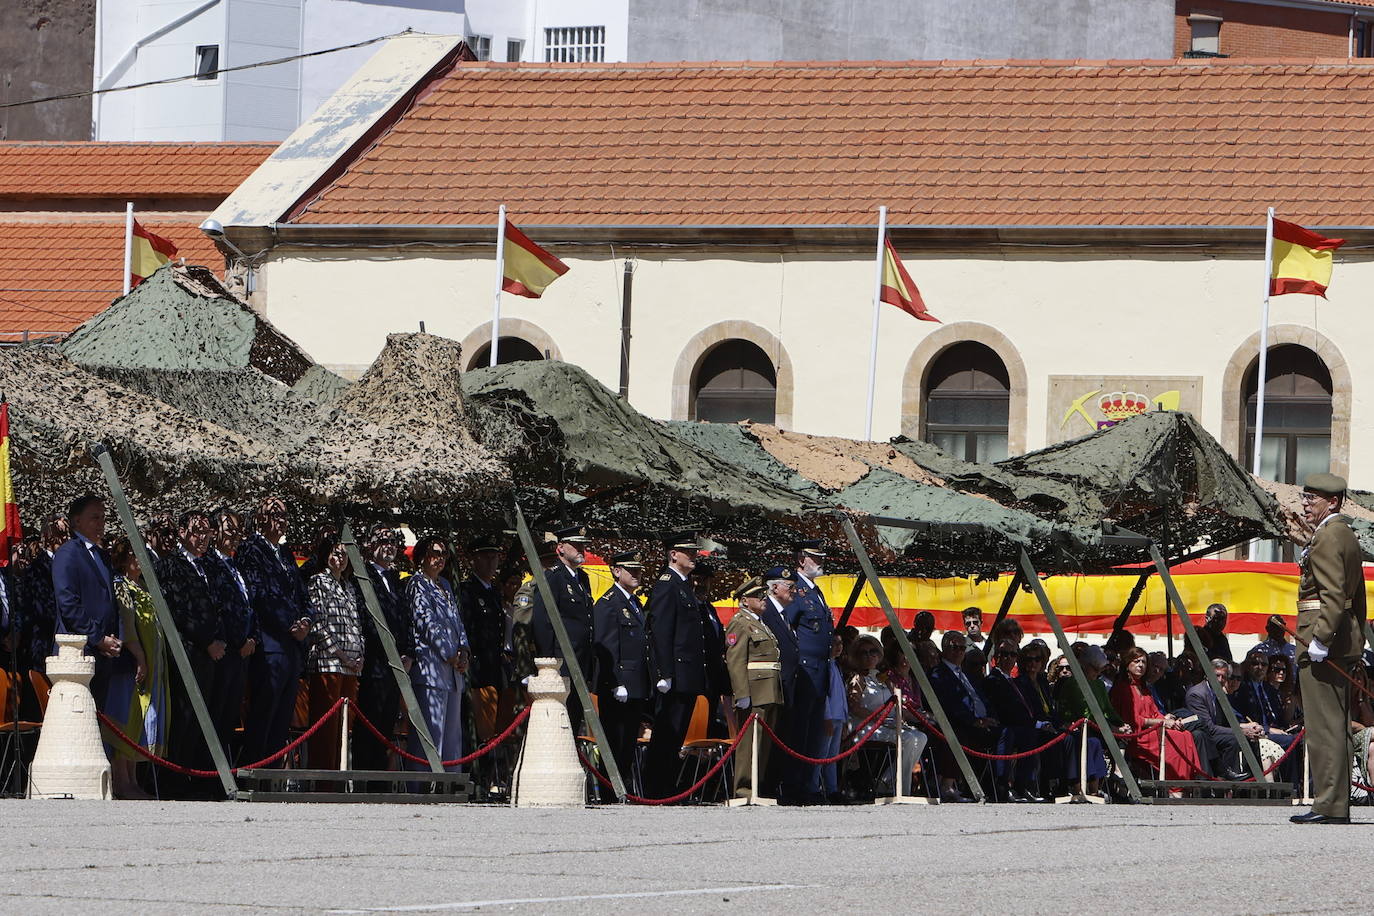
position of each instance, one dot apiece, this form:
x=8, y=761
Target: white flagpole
x=500, y=279
x=128, y=246
x=877, y=306
x=1262, y=371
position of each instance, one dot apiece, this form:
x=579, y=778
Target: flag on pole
x=528, y=269
x=1301, y=261
x=898, y=288
x=10, y=531
x=147, y=254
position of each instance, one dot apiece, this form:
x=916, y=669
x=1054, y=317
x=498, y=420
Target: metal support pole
x=941, y=718
x=1094, y=708
x=1190, y=632
x=854, y=593
x=165, y=621
x=901, y=768
x=560, y=631
x=627, y=289
x=343, y=737
x=1131, y=601
x=393, y=657
x=1007, y=599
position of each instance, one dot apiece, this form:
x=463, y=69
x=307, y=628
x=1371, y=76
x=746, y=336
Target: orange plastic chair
x=41, y=688
x=699, y=751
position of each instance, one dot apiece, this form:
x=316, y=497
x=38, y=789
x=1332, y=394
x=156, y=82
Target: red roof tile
x=55, y=275
x=76, y=169
x=1026, y=143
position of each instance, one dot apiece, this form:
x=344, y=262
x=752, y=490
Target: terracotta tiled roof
x=89, y=169
x=55, y=275
x=941, y=143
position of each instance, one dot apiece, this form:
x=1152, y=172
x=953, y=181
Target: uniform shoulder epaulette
x=665, y=578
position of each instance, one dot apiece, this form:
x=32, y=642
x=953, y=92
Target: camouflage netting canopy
x=1162, y=475
x=1289, y=496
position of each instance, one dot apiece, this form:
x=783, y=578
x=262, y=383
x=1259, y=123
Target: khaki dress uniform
x=1331, y=609
x=755, y=665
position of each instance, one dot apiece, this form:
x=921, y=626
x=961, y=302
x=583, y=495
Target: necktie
x=4, y=605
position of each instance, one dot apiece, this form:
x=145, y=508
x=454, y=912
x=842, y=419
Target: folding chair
x=13, y=731
x=701, y=753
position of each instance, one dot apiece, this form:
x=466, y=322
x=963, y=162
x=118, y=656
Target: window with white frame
x=515, y=48
x=480, y=45
x=575, y=44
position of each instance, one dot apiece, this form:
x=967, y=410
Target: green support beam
x=854, y=593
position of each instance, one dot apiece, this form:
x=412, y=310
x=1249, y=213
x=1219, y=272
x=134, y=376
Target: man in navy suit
x=813, y=622
x=974, y=724
x=1023, y=728
x=624, y=661
x=572, y=596
x=83, y=584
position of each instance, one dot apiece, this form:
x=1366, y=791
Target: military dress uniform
x=1331, y=612
x=572, y=595
x=754, y=660
x=489, y=672
x=810, y=618
x=624, y=665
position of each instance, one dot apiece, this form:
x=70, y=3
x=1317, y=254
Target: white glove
x=526, y=679
x=621, y=694
x=1316, y=651
x=741, y=702
x=1042, y=725
x=664, y=684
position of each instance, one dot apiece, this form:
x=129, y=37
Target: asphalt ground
x=185, y=857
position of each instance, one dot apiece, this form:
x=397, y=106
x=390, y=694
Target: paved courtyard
x=149, y=857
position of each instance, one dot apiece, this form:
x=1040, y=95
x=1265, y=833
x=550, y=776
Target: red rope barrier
x=686, y=793
x=982, y=755
x=482, y=751
x=207, y=774
x=852, y=749
x=1297, y=740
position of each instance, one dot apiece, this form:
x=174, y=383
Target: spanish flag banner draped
x=10, y=531
x=147, y=254
x=1301, y=261
x=898, y=288
x=527, y=269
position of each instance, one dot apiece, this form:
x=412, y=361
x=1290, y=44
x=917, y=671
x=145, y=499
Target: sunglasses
x=870, y=651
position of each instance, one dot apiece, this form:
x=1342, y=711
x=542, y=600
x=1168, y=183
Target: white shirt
x=625, y=593
x=4, y=604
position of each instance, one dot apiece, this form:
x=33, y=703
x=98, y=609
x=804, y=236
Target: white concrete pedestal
x=70, y=761
x=549, y=775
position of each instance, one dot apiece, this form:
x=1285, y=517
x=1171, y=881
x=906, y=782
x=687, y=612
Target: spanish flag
x=1301, y=262
x=898, y=288
x=527, y=269
x=148, y=254
x=10, y=531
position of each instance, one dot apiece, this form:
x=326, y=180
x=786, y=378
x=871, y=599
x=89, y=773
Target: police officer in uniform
x=1331, y=620
x=754, y=660
x=811, y=619
x=678, y=631
x=523, y=650
x=624, y=663
x=572, y=593
x=485, y=622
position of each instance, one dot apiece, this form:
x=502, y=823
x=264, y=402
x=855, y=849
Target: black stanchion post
x=1190, y=633
x=579, y=682
x=1095, y=708
x=946, y=726
x=165, y=621
x=393, y=658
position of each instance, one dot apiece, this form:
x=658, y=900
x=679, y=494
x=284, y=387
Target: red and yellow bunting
x=11, y=532
x=147, y=254
x=1302, y=260
x=527, y=269
x=898, y=288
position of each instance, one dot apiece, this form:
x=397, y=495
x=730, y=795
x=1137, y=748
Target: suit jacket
x=191, y=599
x=276, y=592
x=1005, y=701
x=572, y=593
x=439, y=632
x=787, y=646
x=485, y=621
x=954, y=696
x=37, y=609
x=1038, y=696
x=678, y=630
x=811, y=619
x=1202, y=702
x=391, y=598
x=1332, y=577
x=1258, y=702
x=84, y=593
x=624, y=657
x=717, y=676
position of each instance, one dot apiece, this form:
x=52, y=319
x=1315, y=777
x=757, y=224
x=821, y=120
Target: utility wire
x=87, y=93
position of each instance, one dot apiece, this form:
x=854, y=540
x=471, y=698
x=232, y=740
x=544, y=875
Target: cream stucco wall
x=1175, y=312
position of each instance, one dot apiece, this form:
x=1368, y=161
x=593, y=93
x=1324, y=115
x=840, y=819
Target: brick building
x=1274, y=28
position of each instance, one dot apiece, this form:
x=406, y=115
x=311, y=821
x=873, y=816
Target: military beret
x=630, y=560
x=577, y=534
x=1326, y=484
x=682, y=540
x=779, y=572
x=484, y=544
x=812, y=548
x=752, y=588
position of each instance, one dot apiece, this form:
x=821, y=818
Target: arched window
x=967, y=397
x=734, y=381
x=511, y=350
x=1297, y=423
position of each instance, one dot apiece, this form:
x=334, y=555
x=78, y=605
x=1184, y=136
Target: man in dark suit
x=678, y=631
x=83, y=585
x=572, y=595
x=780, y=584
x=1022, y=728
x=974, y=724
x=277, y=593
x=379, y=698
x=813, y=622
x=241, y=636
x=717, y=675
x=1217, y=745
x=624, y=661
x=489, y=674
x=8, y=641
x=185, y=578
x=37, y=600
